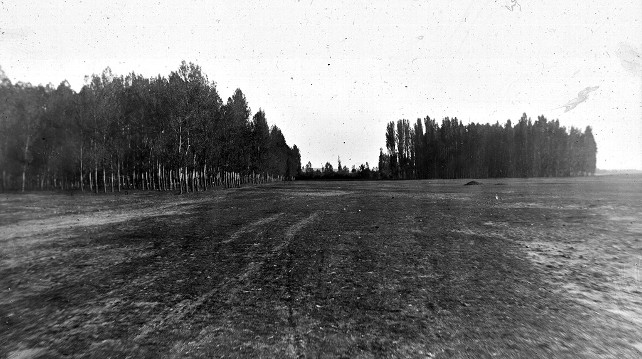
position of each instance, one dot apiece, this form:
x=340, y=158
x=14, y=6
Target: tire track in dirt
x=252, y=227
x=235, y=285
x=178, y=312
x=293, y=338
x=50, y=228
x=295, y=228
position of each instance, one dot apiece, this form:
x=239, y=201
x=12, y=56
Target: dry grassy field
x=430, y=269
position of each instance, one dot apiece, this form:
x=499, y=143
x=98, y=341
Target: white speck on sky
x=332, y=74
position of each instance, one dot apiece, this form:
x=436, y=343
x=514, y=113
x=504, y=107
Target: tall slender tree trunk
x=194, y=180
x=180, y=146
x=186, y=180
x=164, y=179
x=82, y=187
x=118, y=170
x=24, y=170
x=158, y=178
x=195, y=183
x=179, y=173
x=205, y=176
x=24, y=166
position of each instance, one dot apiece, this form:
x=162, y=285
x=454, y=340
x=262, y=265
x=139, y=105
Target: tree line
x=342, y=172
x=451, y=149
x=158, y=133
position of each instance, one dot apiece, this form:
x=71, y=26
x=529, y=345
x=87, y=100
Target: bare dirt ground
x=431, y=269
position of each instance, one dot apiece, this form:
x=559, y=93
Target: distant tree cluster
x=164, y=133
x=327, y=172
x=454, y=150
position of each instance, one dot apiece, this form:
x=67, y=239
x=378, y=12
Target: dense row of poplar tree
x=164, y=133
x=454, y=150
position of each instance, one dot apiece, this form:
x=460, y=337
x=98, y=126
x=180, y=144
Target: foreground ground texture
x=511, y=268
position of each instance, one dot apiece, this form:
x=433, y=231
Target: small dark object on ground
x=473, y=183
x=500, y=184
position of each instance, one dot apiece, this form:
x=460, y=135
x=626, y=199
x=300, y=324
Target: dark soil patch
x=473, y=183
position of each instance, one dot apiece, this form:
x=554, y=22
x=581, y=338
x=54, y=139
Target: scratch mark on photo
x=630, y=58
x=581, y=97
x=512, y=5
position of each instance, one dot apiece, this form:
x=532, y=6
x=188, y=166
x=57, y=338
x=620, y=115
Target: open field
x=511, y=268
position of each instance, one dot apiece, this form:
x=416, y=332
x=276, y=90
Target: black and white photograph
x=320, y=179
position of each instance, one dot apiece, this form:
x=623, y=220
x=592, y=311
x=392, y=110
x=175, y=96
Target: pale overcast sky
x=331, y=74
